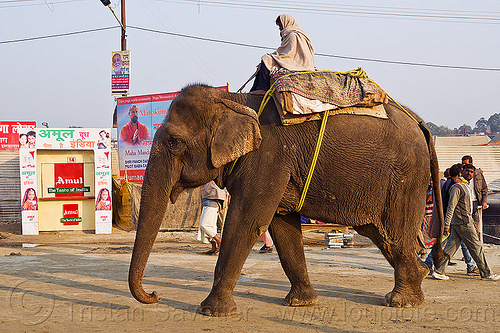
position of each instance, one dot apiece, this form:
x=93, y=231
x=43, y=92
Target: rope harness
x=359, y=72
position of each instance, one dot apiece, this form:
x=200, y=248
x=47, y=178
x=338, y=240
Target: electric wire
x=30, y=3
x=318, y=54
x=56, y=35
x=203, y=66
x=206, y=39
x=321, y=8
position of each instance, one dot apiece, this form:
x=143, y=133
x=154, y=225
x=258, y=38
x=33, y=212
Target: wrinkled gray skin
x=371, y=174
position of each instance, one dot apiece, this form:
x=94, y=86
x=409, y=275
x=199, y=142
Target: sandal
x=266, y=249
x=211, y=253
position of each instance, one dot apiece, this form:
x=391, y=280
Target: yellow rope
x=314, y=160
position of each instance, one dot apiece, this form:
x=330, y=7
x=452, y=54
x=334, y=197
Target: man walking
x=479, y=194
x=479, y=189
x=459, y=221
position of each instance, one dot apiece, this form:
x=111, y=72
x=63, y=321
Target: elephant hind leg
x=287, y=237
x=409, y=271
x=372, y=232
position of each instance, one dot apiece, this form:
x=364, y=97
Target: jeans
x=429, y=261
x=471, y=264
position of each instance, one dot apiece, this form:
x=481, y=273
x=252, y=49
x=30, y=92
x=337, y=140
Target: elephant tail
x=439, y=256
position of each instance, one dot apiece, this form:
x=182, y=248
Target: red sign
x=68, y=175
x=10, y=132
x=70, y=210
x=70, y=214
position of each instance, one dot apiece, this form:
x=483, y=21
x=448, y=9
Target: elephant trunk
x=159, y=180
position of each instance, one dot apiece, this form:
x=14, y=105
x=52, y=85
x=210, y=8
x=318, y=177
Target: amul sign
x=68, y=178
x=70, y=214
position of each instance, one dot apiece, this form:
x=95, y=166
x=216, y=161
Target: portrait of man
x=117, y=64
x=133, y=133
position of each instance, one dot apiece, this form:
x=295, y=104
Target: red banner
x=13, y=133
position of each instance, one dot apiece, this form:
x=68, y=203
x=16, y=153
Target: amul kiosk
x=65, y=180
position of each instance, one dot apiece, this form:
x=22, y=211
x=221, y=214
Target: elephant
x=371, y=174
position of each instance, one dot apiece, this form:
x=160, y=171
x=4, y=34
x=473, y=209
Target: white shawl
x=295, y=53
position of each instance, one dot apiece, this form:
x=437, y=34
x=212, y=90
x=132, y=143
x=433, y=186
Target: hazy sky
x=66, y=80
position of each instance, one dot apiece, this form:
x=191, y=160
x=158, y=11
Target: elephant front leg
x=237, y=241
x=287, y=237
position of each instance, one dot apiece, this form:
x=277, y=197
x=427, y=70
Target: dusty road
x=78, y=282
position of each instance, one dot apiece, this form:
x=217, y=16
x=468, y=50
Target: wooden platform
x=324, y=227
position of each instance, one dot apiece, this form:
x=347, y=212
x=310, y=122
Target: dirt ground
x=61, y=281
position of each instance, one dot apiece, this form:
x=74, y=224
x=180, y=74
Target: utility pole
x=124, y=32
x=107, y=3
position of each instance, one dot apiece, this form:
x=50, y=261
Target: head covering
x=295, y=53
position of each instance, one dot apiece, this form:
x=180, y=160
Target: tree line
x=482, y=126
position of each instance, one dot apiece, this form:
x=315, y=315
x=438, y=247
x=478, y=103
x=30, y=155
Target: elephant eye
x=175, y=145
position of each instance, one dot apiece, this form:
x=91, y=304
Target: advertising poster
x=138, y=119
x=13, y=134
x=68, y=178
x=29, y=195
x=103, y=214
x=120, y=72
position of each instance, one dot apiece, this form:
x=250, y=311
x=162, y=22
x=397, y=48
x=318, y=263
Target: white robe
x=295, y=53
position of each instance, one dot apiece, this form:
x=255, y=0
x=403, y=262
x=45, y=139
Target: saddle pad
x=288, y=118
x=341, y=90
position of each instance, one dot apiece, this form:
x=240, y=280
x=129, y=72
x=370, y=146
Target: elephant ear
x=236, y=134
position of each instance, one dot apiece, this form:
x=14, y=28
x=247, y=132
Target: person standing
x=212, y=197
x=460, y=225
x=268, y=242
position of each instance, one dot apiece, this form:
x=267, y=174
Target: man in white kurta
x=212, y=197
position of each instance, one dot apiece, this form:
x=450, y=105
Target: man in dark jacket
x=478, y=183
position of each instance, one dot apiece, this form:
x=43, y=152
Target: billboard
x=13, y=134
x=120, y=72
x=138, y=119
x=65, y=180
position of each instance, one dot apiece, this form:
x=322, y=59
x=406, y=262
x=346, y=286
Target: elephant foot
x=398, y=300
x=218, y=306
x=301, y=296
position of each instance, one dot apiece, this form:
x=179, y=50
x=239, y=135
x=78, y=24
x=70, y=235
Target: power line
x=322, y=8
x=213, y=40
x=193, y=52
x=55, y=36
x=317, y=54
x=30, y=3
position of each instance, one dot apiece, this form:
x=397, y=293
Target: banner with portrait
x=120, y=72
x=11, y=134
x=138, y=119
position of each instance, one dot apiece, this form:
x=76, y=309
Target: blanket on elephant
x=288, y=118
x=336, y=90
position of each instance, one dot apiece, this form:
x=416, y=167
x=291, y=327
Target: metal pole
x=480, y=224
x=124, y=33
